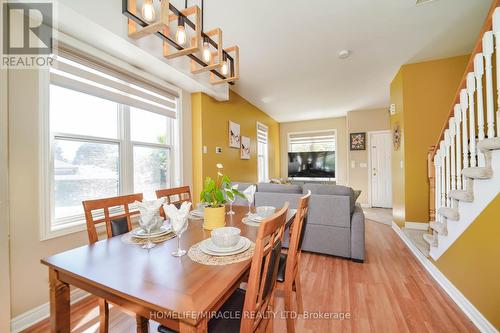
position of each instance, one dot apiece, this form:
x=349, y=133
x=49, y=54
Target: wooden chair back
x=259, y=298
x=114, y=223
x=175, y=196
x=295, y=244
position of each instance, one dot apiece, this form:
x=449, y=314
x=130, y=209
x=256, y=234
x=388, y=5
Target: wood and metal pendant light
x=204, y=49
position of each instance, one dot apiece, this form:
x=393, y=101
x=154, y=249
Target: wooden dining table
x=173, y=291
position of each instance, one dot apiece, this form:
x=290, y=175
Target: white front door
x=380, y=145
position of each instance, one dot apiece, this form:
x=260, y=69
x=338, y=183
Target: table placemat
x=129, y=239
x=197, y=255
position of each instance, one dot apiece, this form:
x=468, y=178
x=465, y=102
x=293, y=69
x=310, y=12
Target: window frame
x=48, y=228
x=334, y=130
x=265, y=155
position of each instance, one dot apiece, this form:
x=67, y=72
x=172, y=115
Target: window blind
x=78, y=73
x=312, y=141
x=261, y=133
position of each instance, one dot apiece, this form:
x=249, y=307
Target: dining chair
x=289, y=264
x=175, y=196
x=116, y=224
x=256, y=304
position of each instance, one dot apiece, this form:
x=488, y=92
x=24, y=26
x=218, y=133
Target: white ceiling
x=289, y=63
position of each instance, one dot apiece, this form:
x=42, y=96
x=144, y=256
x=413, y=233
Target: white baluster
x=471, y=88
x=437, y=196
x=490, y=112
x=478, y=72
x=448, y=166
x=496, y=32
x=451, y=126
x=458, y=118
x=443, y=174
x=465, y=144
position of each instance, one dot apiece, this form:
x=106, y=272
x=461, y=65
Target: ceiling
x=289, y=63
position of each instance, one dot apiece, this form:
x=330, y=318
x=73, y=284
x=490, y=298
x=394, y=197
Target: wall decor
x=234, y=135
x=245, y=148
x=181, y=33
x=396, y=136
x=358, y=141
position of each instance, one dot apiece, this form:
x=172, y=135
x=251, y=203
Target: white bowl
x=226, y=237
x=265, y=211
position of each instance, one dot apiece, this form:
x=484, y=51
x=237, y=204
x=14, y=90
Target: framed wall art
x=234, y=135
x=245, y=148
x=358, y=141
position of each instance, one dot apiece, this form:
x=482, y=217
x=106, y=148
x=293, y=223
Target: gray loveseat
x=335, y=224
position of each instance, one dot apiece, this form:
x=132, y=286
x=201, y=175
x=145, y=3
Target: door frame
x=368, y=143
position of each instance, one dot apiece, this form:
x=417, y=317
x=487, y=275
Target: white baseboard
x=463, y=303
x=41, y=312
x=417, y=225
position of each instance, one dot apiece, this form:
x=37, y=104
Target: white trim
x=417, y=225
x=41, y=312
x=266, y=154
x=368, y=142
x=366, y=205
x=463, y=303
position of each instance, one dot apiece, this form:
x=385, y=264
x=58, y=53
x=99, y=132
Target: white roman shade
x=312, y=141
x=87, y=76
x=261, y=133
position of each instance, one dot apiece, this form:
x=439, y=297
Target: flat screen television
x=316, y=164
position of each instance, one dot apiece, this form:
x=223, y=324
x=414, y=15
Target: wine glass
x=179, y=226
x=147, y=222
x=231, y=199
x=249, y=198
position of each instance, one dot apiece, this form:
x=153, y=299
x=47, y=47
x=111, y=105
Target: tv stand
x=303, y=180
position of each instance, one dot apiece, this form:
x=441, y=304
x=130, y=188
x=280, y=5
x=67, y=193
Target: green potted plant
x=214, y=196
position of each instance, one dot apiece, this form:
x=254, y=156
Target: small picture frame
x=234, y=135
x=358, y=141
x=245, y=148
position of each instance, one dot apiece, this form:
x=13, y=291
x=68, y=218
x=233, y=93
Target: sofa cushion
x=279, y=188
x=325, y=189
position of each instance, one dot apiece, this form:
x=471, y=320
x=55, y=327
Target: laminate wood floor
x=390, y=292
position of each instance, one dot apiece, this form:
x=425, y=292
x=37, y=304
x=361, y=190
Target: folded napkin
x=178, y=216
x=249, y=192
x=150, y=209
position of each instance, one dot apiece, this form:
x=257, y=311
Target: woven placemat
x=197, y=255
x=129, y=239
x=247, y=221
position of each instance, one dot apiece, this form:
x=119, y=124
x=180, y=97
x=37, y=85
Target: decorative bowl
x=265, y=211
x=226, y=236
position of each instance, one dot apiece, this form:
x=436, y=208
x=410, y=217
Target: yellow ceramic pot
x=214, y=218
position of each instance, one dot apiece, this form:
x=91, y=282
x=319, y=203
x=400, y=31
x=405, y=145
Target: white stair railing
x=463, y=152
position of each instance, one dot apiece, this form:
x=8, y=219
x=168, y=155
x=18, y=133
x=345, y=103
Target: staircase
x=464, y=167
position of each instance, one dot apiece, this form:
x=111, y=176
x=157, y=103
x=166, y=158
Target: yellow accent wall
x=423, y=94
x=471, y=263
x=210, y=128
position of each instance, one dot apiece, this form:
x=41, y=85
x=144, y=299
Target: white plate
x=141, y=233
x=209, y=245
x=197, y=213
x=255, y=218
x=212, y=253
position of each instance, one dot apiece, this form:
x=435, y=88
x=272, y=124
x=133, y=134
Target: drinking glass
x=147, y=222
x=179, y=227
x=249, y=198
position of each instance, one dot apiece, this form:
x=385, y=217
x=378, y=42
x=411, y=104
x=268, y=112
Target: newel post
x=431, y=174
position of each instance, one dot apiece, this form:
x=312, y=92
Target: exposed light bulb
x=225, y=67
x=148, y=11
x=180, y=35
x=207, y=55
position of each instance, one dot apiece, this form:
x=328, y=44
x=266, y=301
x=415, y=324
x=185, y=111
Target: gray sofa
x=335, y=224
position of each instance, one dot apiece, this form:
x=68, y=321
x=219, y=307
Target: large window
x=105, y=141
x=262, y=153
x=311, y=141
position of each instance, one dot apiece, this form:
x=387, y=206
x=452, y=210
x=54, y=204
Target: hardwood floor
x=390, y=292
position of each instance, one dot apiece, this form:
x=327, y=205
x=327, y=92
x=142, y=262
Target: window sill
x=63, y=230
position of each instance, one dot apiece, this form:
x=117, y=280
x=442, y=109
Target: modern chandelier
x=182, y=34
